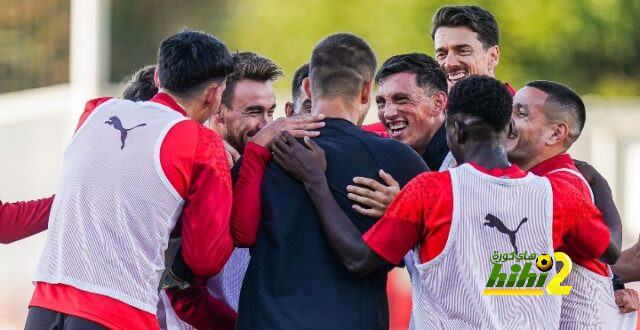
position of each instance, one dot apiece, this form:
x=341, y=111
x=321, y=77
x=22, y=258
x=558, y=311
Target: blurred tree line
x=591, y=45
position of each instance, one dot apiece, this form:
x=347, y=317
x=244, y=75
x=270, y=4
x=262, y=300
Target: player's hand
x=299, y=126
x=306, y=162
x=373, y=194
x=232, y=154
x=627, y=300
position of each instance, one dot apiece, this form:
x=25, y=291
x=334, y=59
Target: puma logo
x=117, y=124
x=495, y=222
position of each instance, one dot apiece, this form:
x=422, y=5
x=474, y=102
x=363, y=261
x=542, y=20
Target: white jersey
x=114, y=207
x=489, y=214
x=224, y=286
x=448, y=162
x=591, y=303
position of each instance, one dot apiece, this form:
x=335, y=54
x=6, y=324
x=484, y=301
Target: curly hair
x=484, y=98
x=141, y=86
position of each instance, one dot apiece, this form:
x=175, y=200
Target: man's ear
x=559, y=134
x=156, y=78
x=494, y=58
x=288, y=109
x=213, y=96
x=462, y=133
x=439, y=103
x=365, y=96
x=306, y=87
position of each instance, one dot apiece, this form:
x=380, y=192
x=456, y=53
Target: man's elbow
x=358, y=268
x=363, y=265
x=611, y=254
x=244, y=241
x=6, y=239
x=218, y=259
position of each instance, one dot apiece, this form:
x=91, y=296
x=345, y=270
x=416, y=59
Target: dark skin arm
x=307, y=163
x=603, y=199
x=628, y=265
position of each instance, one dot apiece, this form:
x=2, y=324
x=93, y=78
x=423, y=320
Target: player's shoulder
x=564, y=184
x=94, y=103
x=436, y=179
x=560, y=179
x=393, y=148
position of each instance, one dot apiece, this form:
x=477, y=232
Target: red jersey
x=194, y=161
x=377, y=128
x=421, y=215
x=564, y=161
x=23, y=219
x=195, y=305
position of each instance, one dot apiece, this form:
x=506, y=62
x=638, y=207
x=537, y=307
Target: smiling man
x=248, y=102
x=411, y=98
x=466, y=39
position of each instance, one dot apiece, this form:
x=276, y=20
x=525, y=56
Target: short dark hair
x=298, y=77
x=248, y=65
x=340, y=64
x=477, y=19
x=429, y=75
x=189, y=59
x=484, y=98
x=141, y=86
x=562, y=100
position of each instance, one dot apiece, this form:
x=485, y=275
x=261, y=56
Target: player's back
x=113, y=210
x=497, y=223
x=295, y=280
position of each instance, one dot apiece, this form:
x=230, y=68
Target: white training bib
x=114, y=208
x=489, y=214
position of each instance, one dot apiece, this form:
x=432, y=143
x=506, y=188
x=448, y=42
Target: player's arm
x=584, y=232
x=206, y=236
x=308, y=164
x=245, y=217
x=22, y=219
x=200, y=309
x=628, y=265
x=603, y=199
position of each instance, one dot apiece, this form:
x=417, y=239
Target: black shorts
x=46, y=319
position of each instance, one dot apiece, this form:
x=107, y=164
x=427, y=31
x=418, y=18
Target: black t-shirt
x=437, y=149
x=295, y=280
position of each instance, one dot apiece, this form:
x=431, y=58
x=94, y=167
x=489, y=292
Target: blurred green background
x=591, y=45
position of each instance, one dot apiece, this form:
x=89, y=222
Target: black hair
x=563, y=99
x=477, y=19
x=428, y=73
x=298, y=77
x=484, y=98
x=340, y=64
x=141, y=86
x=189, y=59
x=248, y=65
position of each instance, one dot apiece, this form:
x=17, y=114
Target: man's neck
x=486, y=154
x=181, y=102
x=539, y=158
x=437, y=125
x=337, y=108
